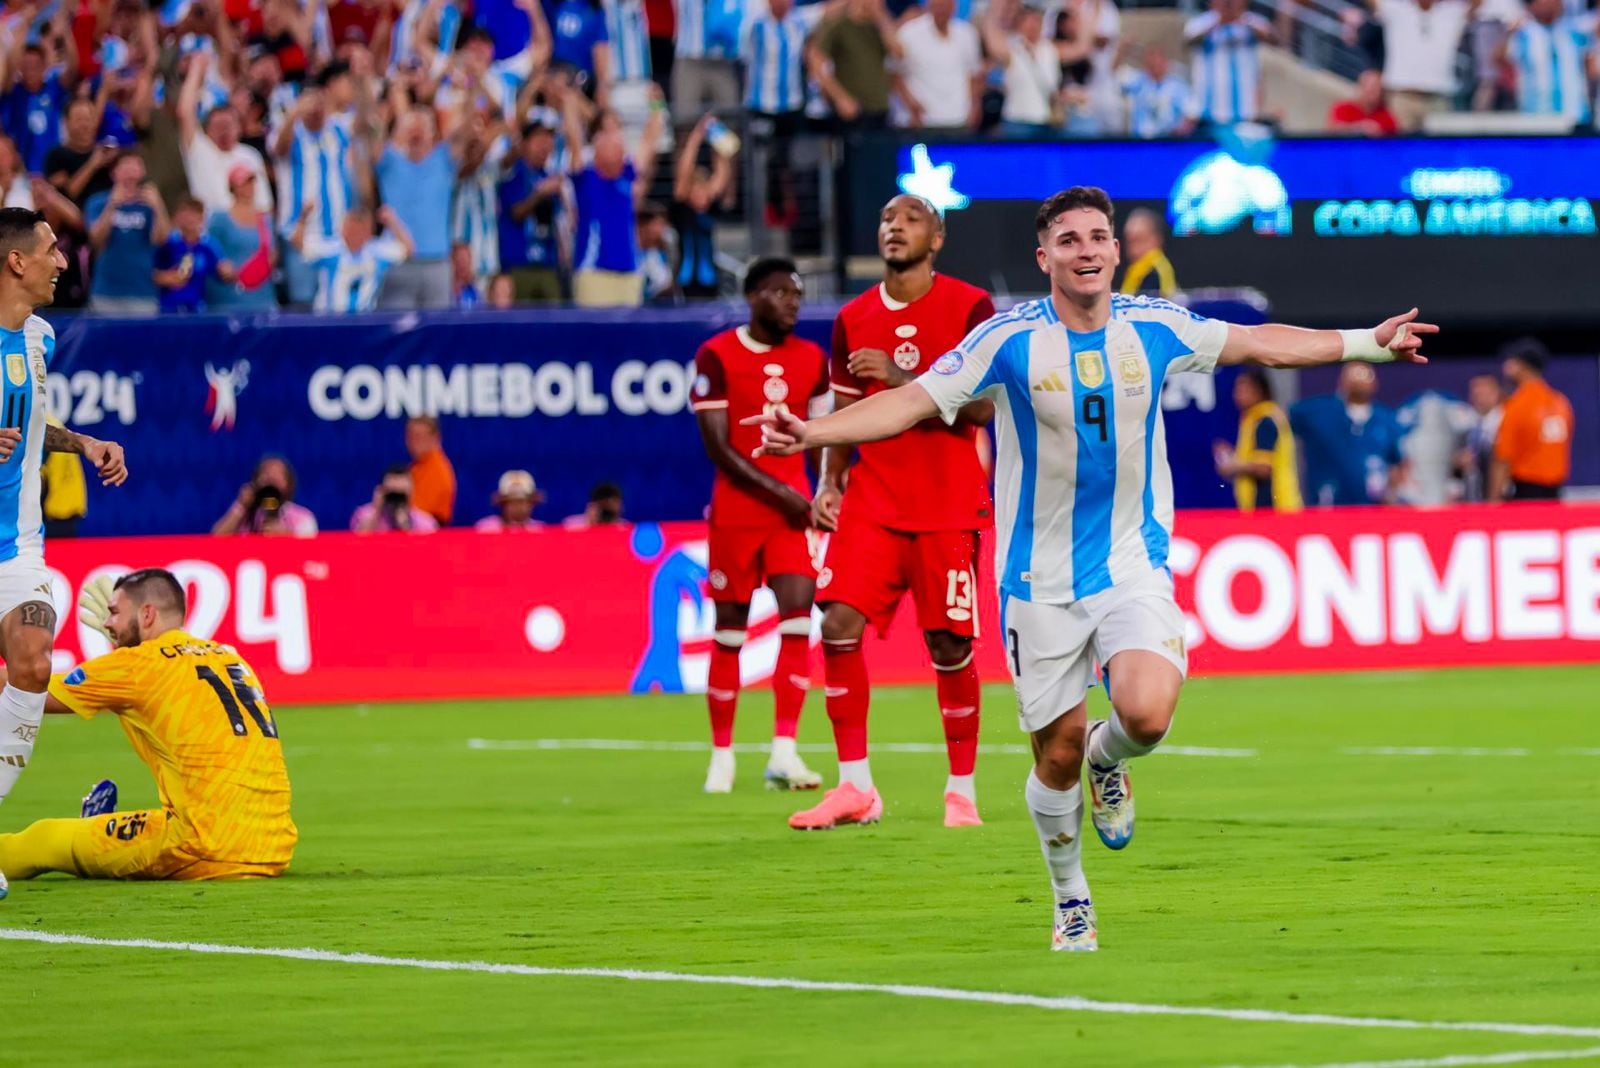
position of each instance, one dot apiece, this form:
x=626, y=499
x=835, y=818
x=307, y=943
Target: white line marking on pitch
x=935, y=993
x=1465, y=1059
x=638, y=745
x=1433, y=750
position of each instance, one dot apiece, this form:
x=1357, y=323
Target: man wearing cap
x=1533, y=449
x=211, y=149
x=514, y=503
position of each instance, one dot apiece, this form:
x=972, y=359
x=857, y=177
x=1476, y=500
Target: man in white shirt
x=212, y=149
x=939, y=83
x=1421, y=39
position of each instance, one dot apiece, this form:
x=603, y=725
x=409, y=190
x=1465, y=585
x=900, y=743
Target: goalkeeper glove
x=94, y=605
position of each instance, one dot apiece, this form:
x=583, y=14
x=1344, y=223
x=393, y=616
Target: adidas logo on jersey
x=1051, y=383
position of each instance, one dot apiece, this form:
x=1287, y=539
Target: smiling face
x=37, y=267
x=909, y=232
x=1079, y=254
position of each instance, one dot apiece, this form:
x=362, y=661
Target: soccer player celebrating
x=195, y=714
x=1085, y=509
x=760, y=513
x=910, y=517
x=27, y=617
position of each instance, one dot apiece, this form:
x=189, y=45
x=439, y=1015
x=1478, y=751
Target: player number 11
x=241, y=694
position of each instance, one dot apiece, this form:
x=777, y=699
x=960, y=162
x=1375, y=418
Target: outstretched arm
x=105, y=455
x=882, y=415
x=1276, y=345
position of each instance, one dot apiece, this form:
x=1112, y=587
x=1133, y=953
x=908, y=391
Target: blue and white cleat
x=3, y=890
x=1075, y=930
x=1110, y=799
x=100, y=800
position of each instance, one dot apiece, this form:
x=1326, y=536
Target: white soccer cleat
x=1075, y=930
x=719, y=776
x=1110, y=799
x=789, y=772
x=3, y=890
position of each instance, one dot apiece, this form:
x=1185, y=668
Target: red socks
x=722, y=689
x=791, y=678
x=845, y=670
x=958, y=710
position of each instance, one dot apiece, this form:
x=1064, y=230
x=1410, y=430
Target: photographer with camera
x=391, y=510
x=265, y=504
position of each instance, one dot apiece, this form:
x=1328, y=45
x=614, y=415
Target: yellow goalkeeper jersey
x=194, y=711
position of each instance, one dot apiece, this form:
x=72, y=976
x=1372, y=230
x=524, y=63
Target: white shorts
x=1052, y=649
x=23, y=579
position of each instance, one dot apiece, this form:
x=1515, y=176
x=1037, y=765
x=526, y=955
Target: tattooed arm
x=105, y=455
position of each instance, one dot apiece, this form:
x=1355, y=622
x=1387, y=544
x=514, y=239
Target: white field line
x=1465, y=1059
x=638, y=745
x=760, y=982
x=1433, y=750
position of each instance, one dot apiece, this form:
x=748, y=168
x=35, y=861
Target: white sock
x=784, y=749
x=1111, y=744
x=21, y=712
x=1058, y=815
x=965, y=785
x=722, y=755
x=857, y=773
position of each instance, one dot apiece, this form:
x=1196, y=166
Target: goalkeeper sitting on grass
x=194, y=713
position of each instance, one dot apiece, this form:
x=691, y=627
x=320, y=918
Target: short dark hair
x=765, y=268
x=649, y=210
x=605, y=491
x=18, y=229
x=397, y=469
x=189, y=202
x=331, y=73
x=1530, y=350
x=474, y=33
x=288, y=468
x=1259, y=377
x=36, y=49
x=157, y=586
x=1079, y=196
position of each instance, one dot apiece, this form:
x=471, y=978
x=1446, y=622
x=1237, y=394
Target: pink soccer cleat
x=843, y=804
x=960, y=811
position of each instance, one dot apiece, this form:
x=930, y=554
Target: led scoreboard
x=1473, y=229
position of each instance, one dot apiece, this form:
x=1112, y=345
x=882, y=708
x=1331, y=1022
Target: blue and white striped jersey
x=26, y=355
x=1156, y=109
x=1551, y=77
x=1083, y=493
x=349, y=281
x=1227, y=65
x=317, y=169
x=474, y=211
x=773, y=53
x=709, y=29
x=630, y=40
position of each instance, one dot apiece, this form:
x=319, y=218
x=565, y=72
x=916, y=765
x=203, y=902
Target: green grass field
x=1306, y=879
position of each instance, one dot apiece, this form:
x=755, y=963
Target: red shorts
x=870, y=568
x=741, y=559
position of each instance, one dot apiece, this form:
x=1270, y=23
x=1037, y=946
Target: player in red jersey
x=761, y=530
x=910, y=518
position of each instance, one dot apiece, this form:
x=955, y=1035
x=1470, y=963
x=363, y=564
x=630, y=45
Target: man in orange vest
x=1533, y=449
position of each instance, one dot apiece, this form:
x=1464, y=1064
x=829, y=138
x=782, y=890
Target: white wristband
x=1362, y=346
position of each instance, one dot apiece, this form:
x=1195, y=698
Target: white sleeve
x=389, y=250
x=965, y=372
x=1204, y=338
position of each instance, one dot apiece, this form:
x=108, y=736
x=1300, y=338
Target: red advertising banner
x=343, y=617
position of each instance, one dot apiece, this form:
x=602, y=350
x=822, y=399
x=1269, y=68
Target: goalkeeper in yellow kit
x=194, y=712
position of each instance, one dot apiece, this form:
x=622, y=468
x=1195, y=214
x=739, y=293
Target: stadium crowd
x=358, y=154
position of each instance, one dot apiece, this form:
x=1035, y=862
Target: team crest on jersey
x=1091, y=368
x=718, y=580
x=1131, y=367
x=907, y=356
x=16, y=369
x=38, y=369
x=777, y=390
